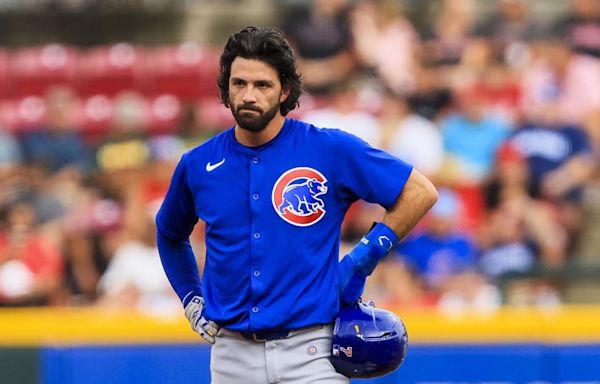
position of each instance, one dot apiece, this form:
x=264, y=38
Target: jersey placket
x=257, y=236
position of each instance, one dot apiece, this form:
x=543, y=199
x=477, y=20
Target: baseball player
x=273, y=192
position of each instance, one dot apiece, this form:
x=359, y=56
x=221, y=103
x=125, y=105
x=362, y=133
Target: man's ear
x=285, y=93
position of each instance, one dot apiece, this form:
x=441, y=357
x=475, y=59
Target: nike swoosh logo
x=211, y=167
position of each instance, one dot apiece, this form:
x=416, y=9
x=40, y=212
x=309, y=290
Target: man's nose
x=248, y=95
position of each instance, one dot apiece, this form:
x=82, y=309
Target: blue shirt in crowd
x=438, y=257
x=473, y=143
x=546, y=149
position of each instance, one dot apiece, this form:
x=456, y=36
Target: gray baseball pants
x=302, y=358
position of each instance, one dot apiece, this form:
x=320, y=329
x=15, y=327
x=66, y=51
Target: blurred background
x=498, y=102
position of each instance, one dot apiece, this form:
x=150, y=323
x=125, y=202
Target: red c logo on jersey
x=297, y=196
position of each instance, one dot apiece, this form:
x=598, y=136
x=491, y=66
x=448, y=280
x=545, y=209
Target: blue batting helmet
x=367, y=342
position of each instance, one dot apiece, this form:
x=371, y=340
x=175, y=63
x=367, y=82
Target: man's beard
x=254, y=122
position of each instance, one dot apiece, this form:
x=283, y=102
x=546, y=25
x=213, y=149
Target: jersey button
x=256, y=235
x=255, y=160
x=255, y=196
x=254, y=309
x=256, y=273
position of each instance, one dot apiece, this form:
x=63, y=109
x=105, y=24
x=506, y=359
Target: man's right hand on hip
x=206, y=328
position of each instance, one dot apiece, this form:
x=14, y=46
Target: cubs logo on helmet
x=297, y=196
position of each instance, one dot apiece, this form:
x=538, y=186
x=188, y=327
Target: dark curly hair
x=265, y=44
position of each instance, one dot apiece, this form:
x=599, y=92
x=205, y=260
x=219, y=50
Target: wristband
x=372, y=248
x=189, y=296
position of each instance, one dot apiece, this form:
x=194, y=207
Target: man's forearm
x=417, y=197
x=180, y=265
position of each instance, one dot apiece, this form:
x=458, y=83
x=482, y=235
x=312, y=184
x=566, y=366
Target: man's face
x=255, y=93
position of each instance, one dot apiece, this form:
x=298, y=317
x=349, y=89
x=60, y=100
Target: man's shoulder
x=209, y=145
x=303, y=127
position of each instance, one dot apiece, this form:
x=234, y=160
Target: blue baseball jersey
x=273, y=216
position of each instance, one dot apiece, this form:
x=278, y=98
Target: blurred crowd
x=500, y=110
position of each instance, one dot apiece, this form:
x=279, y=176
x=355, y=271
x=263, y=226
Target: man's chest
x=294, y=187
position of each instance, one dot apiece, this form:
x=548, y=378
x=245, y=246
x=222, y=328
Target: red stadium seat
x=30, y=113
x=34, y=70
x=96, y=116
x=213, y=115
x=164, y=113
x=4, y=74
x=111, y=69
x=187, y=70
x=8, y=115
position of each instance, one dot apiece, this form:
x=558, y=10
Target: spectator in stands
x=377, y=26
x=125, y=153
x=449, y=34
x=572, y=77
x=581, y=27
x=432, y=96
x=520, y=236
x=31, y=266
x=476, y=58
x=408, y=135
x=510, y=177
x=509, y=27
x=499, y=90
x=471, y=137
x=343, y=113
x=517, y=237
x=91, y=226
x=47, y=194
x=10, y=151
x=135, y=277
x=125, y=147
x=321, y=36
x=559, y=154
x=443, y=255
x=58, y=145
x=560, y=159
x=509, y=187
x=440, y=250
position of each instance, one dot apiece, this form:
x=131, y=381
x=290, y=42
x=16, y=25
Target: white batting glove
x=206, y=328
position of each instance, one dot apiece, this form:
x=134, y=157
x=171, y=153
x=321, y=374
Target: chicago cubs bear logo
x=296, y=196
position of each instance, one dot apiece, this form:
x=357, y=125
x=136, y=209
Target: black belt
x=262, y=336
x=265, y=335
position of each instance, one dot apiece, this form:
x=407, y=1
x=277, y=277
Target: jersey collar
x=283, y=132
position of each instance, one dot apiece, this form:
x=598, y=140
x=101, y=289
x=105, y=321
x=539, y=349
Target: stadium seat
x=164, y=113
x=187, y=70
x=4, y=73
x=33, y=70
x=96, y=116
x=111, y=69
x=8, y=115
x=29, y=113
x=213, y=115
